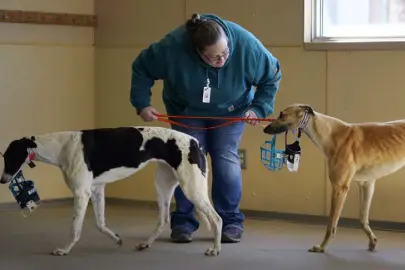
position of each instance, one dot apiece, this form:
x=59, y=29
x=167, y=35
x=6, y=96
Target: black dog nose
x=3, y=180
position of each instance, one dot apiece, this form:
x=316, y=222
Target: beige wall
x=45, y=72
x=323, y=79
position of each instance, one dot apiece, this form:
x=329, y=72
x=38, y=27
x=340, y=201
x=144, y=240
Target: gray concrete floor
x=25, y=243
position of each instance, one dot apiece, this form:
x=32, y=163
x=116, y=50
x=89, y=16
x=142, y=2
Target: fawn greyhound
x=359, y=152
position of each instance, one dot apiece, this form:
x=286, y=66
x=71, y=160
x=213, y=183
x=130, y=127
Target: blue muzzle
x=274, y=159
x=271, y=157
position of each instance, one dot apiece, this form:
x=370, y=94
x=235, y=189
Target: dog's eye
x=281, y=115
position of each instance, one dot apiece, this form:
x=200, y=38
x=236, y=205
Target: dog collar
x=304, y=120
x=31, y=156
x=302, y=124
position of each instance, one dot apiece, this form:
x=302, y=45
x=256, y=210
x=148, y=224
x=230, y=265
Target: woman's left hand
x=251, y=115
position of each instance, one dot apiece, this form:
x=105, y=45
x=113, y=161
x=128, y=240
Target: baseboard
x=251, y=214
x=289, y=217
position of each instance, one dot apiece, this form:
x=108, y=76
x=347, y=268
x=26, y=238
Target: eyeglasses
x=220, y=56
x=224, y=55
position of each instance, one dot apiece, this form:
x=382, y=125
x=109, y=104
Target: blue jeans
x=222, y=145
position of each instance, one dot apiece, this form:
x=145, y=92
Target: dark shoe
x=181, y=236
x=231, y=235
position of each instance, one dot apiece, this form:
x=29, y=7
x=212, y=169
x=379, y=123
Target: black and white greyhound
x=90, y=159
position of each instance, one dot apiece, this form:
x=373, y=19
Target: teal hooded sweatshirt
x=185, y=74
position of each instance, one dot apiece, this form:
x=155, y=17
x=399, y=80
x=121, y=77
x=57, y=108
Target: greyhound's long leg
x=165, y=183
x=340, y=187
x=196, y=191
x=81, y=200
x=98, y=200
x=365, y=203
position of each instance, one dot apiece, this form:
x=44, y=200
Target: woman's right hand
x=148, y=114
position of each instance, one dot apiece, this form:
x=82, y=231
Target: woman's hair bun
x=194, y=22
x=195, y=18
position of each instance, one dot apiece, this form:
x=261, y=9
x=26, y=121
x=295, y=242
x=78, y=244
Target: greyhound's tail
x=198, y=156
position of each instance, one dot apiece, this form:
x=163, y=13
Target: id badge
x=206, y=94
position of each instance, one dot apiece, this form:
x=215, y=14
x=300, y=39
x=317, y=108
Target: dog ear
x=30, y=142
x=33, y=144
x=308, y=109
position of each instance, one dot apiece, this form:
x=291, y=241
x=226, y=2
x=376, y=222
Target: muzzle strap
x=298, y=136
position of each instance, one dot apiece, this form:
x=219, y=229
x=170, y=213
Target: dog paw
x=59, y=252
x=316, y=249
x=119, y=243
x=118, y=240
x=212, y=252
x=142, y=246
x=372, y=245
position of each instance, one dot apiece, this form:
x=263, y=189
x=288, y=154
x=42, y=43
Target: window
x=354, y=21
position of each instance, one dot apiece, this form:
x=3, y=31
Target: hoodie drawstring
x=218, y=77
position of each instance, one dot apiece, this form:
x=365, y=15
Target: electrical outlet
x=242, y=158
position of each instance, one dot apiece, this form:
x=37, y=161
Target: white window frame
x=312, y=42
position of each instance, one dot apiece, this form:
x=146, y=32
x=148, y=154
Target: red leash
x=230, y=120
